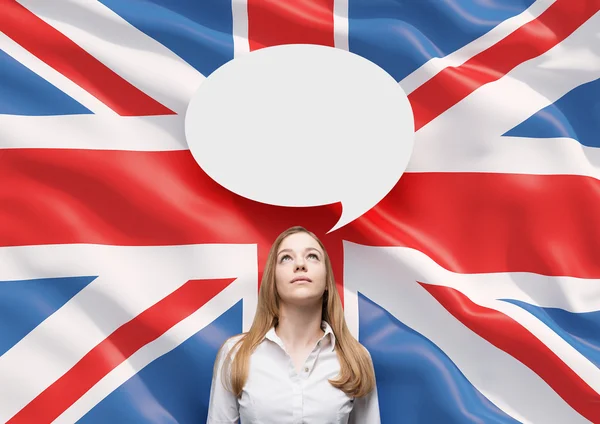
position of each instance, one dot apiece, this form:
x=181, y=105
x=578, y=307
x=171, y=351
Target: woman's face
x=300, y=270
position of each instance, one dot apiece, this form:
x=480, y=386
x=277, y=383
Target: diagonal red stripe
x=510, y=336
x=62, y=54
x=117, y=348
x=466, y=222
x=275, y=22
x=453, y=84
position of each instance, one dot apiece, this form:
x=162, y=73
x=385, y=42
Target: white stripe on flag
x=340, y=24
x=506, y=155
x=95, y=132
x=239, y=10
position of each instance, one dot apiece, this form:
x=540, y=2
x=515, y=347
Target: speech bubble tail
x=359, y=203
x=349, y=214
x=335, y=227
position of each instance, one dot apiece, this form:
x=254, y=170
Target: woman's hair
x=356, y=377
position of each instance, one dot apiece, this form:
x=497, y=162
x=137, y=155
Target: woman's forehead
x=299, y=242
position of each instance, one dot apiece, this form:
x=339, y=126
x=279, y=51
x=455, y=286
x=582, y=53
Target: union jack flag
x=475, y=283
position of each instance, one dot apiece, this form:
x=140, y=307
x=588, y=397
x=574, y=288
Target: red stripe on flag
x=62, y=54
x=466, y=222
x=511, y=337
x=453, y=84
x=117, y=348
x=485, y=222
x=275, y=22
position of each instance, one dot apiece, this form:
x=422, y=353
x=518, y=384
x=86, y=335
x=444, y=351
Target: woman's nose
x=300, y=266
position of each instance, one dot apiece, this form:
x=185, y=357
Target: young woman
x=298, y=364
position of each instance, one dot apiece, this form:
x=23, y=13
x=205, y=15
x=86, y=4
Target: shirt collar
x=328, y=330
x=272, y=335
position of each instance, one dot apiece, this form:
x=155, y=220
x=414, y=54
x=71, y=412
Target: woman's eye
x=285, y=256
x=315, y=256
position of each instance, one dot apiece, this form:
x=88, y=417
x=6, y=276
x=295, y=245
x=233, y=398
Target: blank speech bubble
x=302, y=125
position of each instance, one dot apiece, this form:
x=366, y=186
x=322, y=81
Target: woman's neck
x=299, y=327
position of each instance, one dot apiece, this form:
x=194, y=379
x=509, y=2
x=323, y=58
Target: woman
x=298, y=363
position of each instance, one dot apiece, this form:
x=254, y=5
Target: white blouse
x=276, y=394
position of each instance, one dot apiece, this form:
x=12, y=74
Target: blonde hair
x=356, y=377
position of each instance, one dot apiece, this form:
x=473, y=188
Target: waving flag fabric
x=475, y=283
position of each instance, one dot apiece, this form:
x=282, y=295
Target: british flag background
x=475, y=283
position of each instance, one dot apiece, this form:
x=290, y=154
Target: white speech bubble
x=302, y=125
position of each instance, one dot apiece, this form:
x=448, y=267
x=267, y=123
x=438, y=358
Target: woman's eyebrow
x=308, y=248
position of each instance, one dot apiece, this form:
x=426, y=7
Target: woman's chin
x=308, y=298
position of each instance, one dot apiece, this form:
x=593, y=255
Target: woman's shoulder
x=229, y=343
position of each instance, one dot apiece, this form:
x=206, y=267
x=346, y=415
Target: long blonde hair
x=356, y=377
